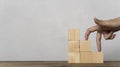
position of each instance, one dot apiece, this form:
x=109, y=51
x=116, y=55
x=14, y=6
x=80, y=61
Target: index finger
x=90, y=30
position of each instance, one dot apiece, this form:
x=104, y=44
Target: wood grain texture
x=97, y=57
x=86, y=57
x=73, y=46
x=85, y=45
x=73, y=52
x=73, y=34
x=73, y=57
x=55, y=64
x=91, y=57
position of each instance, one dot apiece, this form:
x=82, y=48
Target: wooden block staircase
x=79, y=51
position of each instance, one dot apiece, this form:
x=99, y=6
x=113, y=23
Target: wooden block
x=74, y=46
x=73, y=57
x=86, y=57
x=71, y=34
x=91, y=57
x=77, y=34
x=74, y=34
x=85, y=45
x=98, y=57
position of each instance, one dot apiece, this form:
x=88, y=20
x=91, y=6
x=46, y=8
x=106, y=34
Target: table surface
x=55, y=64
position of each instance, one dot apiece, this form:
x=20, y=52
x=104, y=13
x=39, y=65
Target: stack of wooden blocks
x=79, y=51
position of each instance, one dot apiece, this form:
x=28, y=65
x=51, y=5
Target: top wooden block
x=74, y=34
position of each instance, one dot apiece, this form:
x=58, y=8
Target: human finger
x=107, y=35
x=113, y=36
x=98, y=40
x=90, y=30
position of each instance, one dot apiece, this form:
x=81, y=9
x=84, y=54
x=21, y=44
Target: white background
x=37, y=30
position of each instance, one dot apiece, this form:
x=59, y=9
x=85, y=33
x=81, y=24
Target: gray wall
x=37, y=29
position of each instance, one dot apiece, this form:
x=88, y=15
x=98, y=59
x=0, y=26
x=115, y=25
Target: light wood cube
x=74, y=34
x=73, y=57
x=91, y=57
x=85, y=45
x=74, y=46
x=86, y=57
x=98, y=57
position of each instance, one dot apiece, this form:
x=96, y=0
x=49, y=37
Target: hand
x=105, y=28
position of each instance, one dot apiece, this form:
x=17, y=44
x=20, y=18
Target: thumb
x=99, y=22
x=108, y=23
